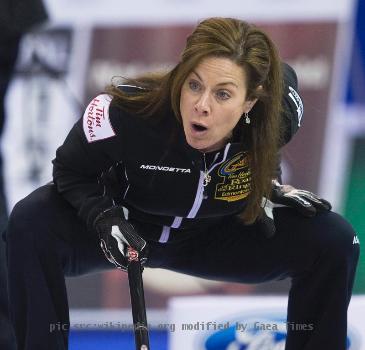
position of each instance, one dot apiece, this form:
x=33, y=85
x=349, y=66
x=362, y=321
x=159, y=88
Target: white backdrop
x=263, y=317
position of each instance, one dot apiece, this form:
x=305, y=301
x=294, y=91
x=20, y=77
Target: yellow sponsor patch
x=236, y=176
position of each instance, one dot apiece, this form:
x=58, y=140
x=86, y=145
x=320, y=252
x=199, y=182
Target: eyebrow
x=219, y=84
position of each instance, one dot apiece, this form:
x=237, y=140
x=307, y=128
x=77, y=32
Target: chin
x=197, y=145
x=204, y=148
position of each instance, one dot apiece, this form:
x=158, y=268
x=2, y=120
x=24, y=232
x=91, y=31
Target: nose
x=202, y=106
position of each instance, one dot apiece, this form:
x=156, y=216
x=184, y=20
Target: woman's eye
x=194, y=85
x=223, y=95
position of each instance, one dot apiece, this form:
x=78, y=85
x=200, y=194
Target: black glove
x=118, y=239
x=306, y=203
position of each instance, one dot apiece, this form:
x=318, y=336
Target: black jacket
x=159, y=176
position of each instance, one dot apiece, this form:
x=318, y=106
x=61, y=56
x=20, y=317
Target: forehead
x=220, y=70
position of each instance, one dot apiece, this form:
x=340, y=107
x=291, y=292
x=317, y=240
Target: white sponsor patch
x=96, y=121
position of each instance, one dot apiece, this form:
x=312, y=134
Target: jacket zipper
x=198, y=198
x=200, y=190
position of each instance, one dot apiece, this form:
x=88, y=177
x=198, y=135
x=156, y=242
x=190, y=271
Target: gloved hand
x=118, y=239
x=306, y=203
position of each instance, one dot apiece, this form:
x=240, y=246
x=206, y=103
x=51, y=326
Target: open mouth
x=198, y=127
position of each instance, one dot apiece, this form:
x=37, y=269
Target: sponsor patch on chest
x=236, y=176
x=96, y=122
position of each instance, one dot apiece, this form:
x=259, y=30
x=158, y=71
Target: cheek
x=231, y=118
x=239, y=112
x=182, y=107
x=237, y=118
x=184, y=102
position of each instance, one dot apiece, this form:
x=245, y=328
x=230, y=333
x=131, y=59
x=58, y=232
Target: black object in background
x=17, y=17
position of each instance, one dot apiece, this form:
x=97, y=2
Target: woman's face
x=213, y=99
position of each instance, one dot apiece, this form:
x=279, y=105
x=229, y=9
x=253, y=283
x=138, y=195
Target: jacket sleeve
x=292, y=111
x=292, y=104
x=90, y=149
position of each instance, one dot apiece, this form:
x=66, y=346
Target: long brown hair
x=250, y=48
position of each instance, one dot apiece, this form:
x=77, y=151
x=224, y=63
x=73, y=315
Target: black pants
x=46, y=241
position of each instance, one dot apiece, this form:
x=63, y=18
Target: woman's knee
x=338, y=237
x=29, y=216
x=21, y=220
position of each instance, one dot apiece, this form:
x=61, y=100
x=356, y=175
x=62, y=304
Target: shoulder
x=103, y=118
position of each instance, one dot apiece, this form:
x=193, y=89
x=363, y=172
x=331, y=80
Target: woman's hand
x=306, y=203
x=118, y=239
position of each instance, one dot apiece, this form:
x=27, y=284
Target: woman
x=187, y=158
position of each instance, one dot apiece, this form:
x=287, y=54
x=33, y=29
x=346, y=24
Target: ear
x=249, y=103
x=247, y=106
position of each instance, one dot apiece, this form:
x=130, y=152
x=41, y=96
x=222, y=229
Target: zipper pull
x=207, y=177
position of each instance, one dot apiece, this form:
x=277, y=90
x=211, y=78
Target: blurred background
x=68, y=59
